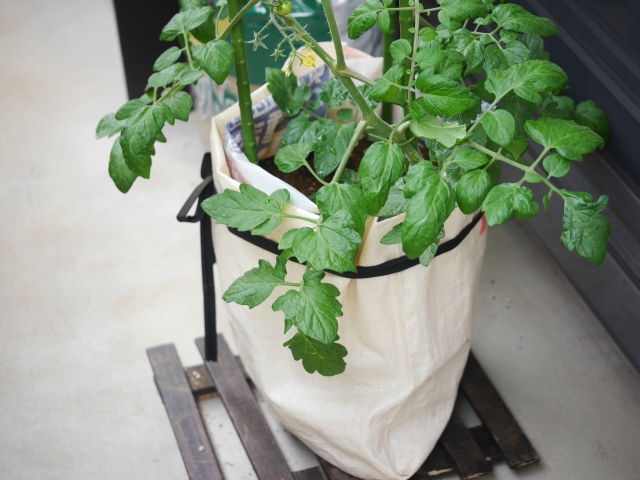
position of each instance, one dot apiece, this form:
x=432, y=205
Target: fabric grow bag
x=407, y=328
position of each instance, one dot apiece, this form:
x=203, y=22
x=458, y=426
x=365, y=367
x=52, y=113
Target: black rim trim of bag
x=386, y=268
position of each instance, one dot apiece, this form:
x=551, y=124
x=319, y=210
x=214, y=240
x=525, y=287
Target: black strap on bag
x=206, y=189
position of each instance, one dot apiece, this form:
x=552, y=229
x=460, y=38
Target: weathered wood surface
x=468, y=460
x=262, y=449
x=183, y=413
x=514, y=445
x=314, y=473
x=199, y=380
x=334, y=473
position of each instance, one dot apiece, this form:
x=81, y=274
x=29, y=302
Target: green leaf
x=393, y=236
x=417, y=177
x=166, y=76
x=532, y=178
x=513, y=17
x=527, y=79
x=327, y=360
x=518, y=146
x=556, y=165
x=189, y=76
x=130, y=109
x=516, y=52
x=184, y=21
x=215, y=58
x=342, y=196
x=495, y=59
x=461, y=10
x=430, y=252
x=427, y=34
x=255, y=286
x=472, y=189
x=362, y=18
x=494, y=171
x=471, y=49
x=180, y=104
x=500, y=127
x=583, y=228
x=446, y=134
x=506, y=201
x=427, y=59
x=396, y=202
x=167, y=59
x=313, y=309
x=469, y=159
x=333, y=140
x=545, y=200
x=384, y=91
x=381, y=166
x=452, y=65
x=292, y=157
x=333, y=93
x=344, y=114
x=567, y=137
x=588, y=114
x=289, y=96
x=121, y=175
x=333, y=245
x=427, y=212
x=400, y=49
x=300, y=129
x=246, y=209
x=443, y=96
x=384, y=22
x=535, y=44
x=109, y=126
x=139, y=136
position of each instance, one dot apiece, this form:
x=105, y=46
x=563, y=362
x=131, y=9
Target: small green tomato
x=284, y=8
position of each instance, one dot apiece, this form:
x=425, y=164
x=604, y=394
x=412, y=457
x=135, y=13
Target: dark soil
x=303, y=180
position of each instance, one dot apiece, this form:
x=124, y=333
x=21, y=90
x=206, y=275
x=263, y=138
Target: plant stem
x=367, y=113
x=187, y=49
x=313, y=172
x=335, y=33
x=242, y=81
x=237, y=17
x=387, y=61
x=406, y=23
x=310, y=220
x=352, y=144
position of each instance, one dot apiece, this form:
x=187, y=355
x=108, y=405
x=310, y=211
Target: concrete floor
x=89, y=278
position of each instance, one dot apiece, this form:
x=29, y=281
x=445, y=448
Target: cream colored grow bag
x=408, y=336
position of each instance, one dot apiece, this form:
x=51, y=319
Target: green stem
x=406, y=23
x=533, y=166
x=187, y=48
x=400, y=126
x=352, y=144
x=313, y=172
x=310, y=220
x=335, y=33
x=236, y=17
x=416, y=27
x=367, y=113
x=242, y=81
x=387, y=61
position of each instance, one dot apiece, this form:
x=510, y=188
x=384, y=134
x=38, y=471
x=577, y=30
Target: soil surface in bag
x=303, y=180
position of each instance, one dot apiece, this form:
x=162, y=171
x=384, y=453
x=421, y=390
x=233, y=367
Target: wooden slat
x=438, y=463
x=199, y=380
x=487, y=444
x=314, y=473
x=262, y=449
x=183, y=413
x=468, y=459
x=516, y=448
x=334, y=473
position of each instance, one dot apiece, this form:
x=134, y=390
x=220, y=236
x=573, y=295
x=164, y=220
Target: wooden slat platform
x=468, y=451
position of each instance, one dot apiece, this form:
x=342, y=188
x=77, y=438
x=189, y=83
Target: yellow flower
x=310, y=60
